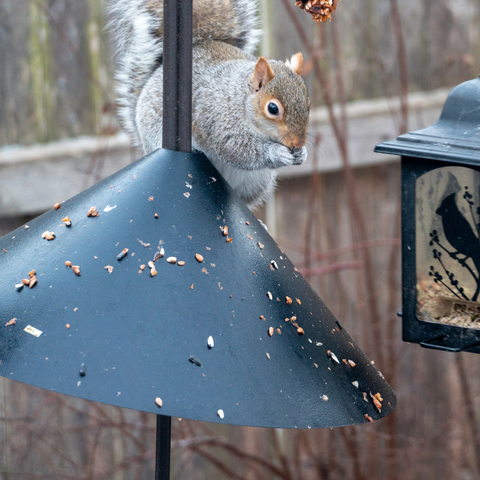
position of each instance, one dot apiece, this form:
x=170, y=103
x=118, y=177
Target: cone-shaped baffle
x=133, y=337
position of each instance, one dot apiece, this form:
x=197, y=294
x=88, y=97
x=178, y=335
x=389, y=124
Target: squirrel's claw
x=299, y=155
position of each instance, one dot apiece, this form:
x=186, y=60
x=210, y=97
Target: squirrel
x=250, y=115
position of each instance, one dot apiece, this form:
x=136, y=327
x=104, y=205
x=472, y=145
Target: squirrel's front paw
x=280, y=156
x=300, y=155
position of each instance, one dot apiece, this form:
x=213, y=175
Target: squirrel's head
x=280, y=101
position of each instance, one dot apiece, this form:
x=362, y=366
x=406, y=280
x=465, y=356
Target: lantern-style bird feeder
x=441, y=225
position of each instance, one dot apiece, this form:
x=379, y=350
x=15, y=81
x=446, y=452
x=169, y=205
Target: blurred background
x=379, y=69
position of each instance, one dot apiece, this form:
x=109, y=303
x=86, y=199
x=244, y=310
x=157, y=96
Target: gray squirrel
x=250, y=115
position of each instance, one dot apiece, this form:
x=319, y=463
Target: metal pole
x=177, y=135
x=162, y=454
x=177, y=75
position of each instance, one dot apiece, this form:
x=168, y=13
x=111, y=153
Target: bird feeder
x=441, y=225
x=158, y=290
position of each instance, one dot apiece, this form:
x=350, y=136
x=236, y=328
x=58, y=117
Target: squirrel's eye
x=273, y=108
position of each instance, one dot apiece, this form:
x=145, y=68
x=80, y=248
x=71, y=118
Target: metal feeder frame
x=453, y=141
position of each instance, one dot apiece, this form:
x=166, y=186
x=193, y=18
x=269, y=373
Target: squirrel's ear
x=296, y=63
x=262, y=75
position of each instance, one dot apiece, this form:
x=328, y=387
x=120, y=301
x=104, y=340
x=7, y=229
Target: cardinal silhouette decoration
x=464, y=244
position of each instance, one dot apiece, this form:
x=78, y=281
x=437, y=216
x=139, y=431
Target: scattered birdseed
x=204, y=270
x=122, y=254
x=26, y=281
x=188, y=185
x=191, y=286
x=269, y=295
x=13, y=321
x=48, y=235
x=210, y=342
x=56, y=206
x=153, y=272
x=247, y=223
x=355, y=384
x=33, y=281
x=92, y=212
x=76, y=269
x=271, y=331
x=288, y=300
x=268, y=356
x=224, y=230
x=325, y=398
x=67, y=325
x=109, y=268
x=279, y=331
x=158, y=255
x=151, y=264
x=221, y=414
x=377, y=399
x=344, y=361
x=300, y=330
x=262, y=317
x=274, y=263
x=156, y=215
x=150, y=199
x=181, y=263
x=26, y=227
x=143, y=243
x=195, y=361
x=332, y=356
x=32, y=331
x=318, y=344
x=287, y=319
x=351, y=363
x=31, y=273
x=199, y=257
x=261, y=245
x=172, y=259
x=368, y=417
x=294, y=319
x=83, y=370
x=159, y=402
x=298, y=301
x=365, y=397
x=18, y=286
x=142, y=267
x=186, y=194
x=229, y=240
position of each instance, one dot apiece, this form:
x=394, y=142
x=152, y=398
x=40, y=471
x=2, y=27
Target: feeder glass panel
x=448, y=247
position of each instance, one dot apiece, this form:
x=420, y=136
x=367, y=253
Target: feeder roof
x=456, y=135
x=124, y=337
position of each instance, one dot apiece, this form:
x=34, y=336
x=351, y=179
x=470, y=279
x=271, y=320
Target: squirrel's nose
x=298, y=142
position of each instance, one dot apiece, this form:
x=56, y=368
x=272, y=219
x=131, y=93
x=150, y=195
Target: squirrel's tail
x=138, y=29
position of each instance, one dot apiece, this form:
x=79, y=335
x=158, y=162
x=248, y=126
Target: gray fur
x=225, y=124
